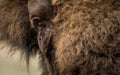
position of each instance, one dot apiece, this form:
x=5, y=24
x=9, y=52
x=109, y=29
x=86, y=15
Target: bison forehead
x=34, y=5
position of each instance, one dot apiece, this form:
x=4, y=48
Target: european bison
x=83, y=36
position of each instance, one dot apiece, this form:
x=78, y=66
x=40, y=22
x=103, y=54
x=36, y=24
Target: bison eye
x=36, y=22
x=42, y=24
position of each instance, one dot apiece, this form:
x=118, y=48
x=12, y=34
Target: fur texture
x=86, y=35
x=15, y=27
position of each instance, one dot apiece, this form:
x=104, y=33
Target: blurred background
x=15, y=65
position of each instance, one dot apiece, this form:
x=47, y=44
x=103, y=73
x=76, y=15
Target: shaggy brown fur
x=86, y=35
x=15, y=26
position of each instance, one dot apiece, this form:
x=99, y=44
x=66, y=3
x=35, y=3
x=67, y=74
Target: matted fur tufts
x=15, y=27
